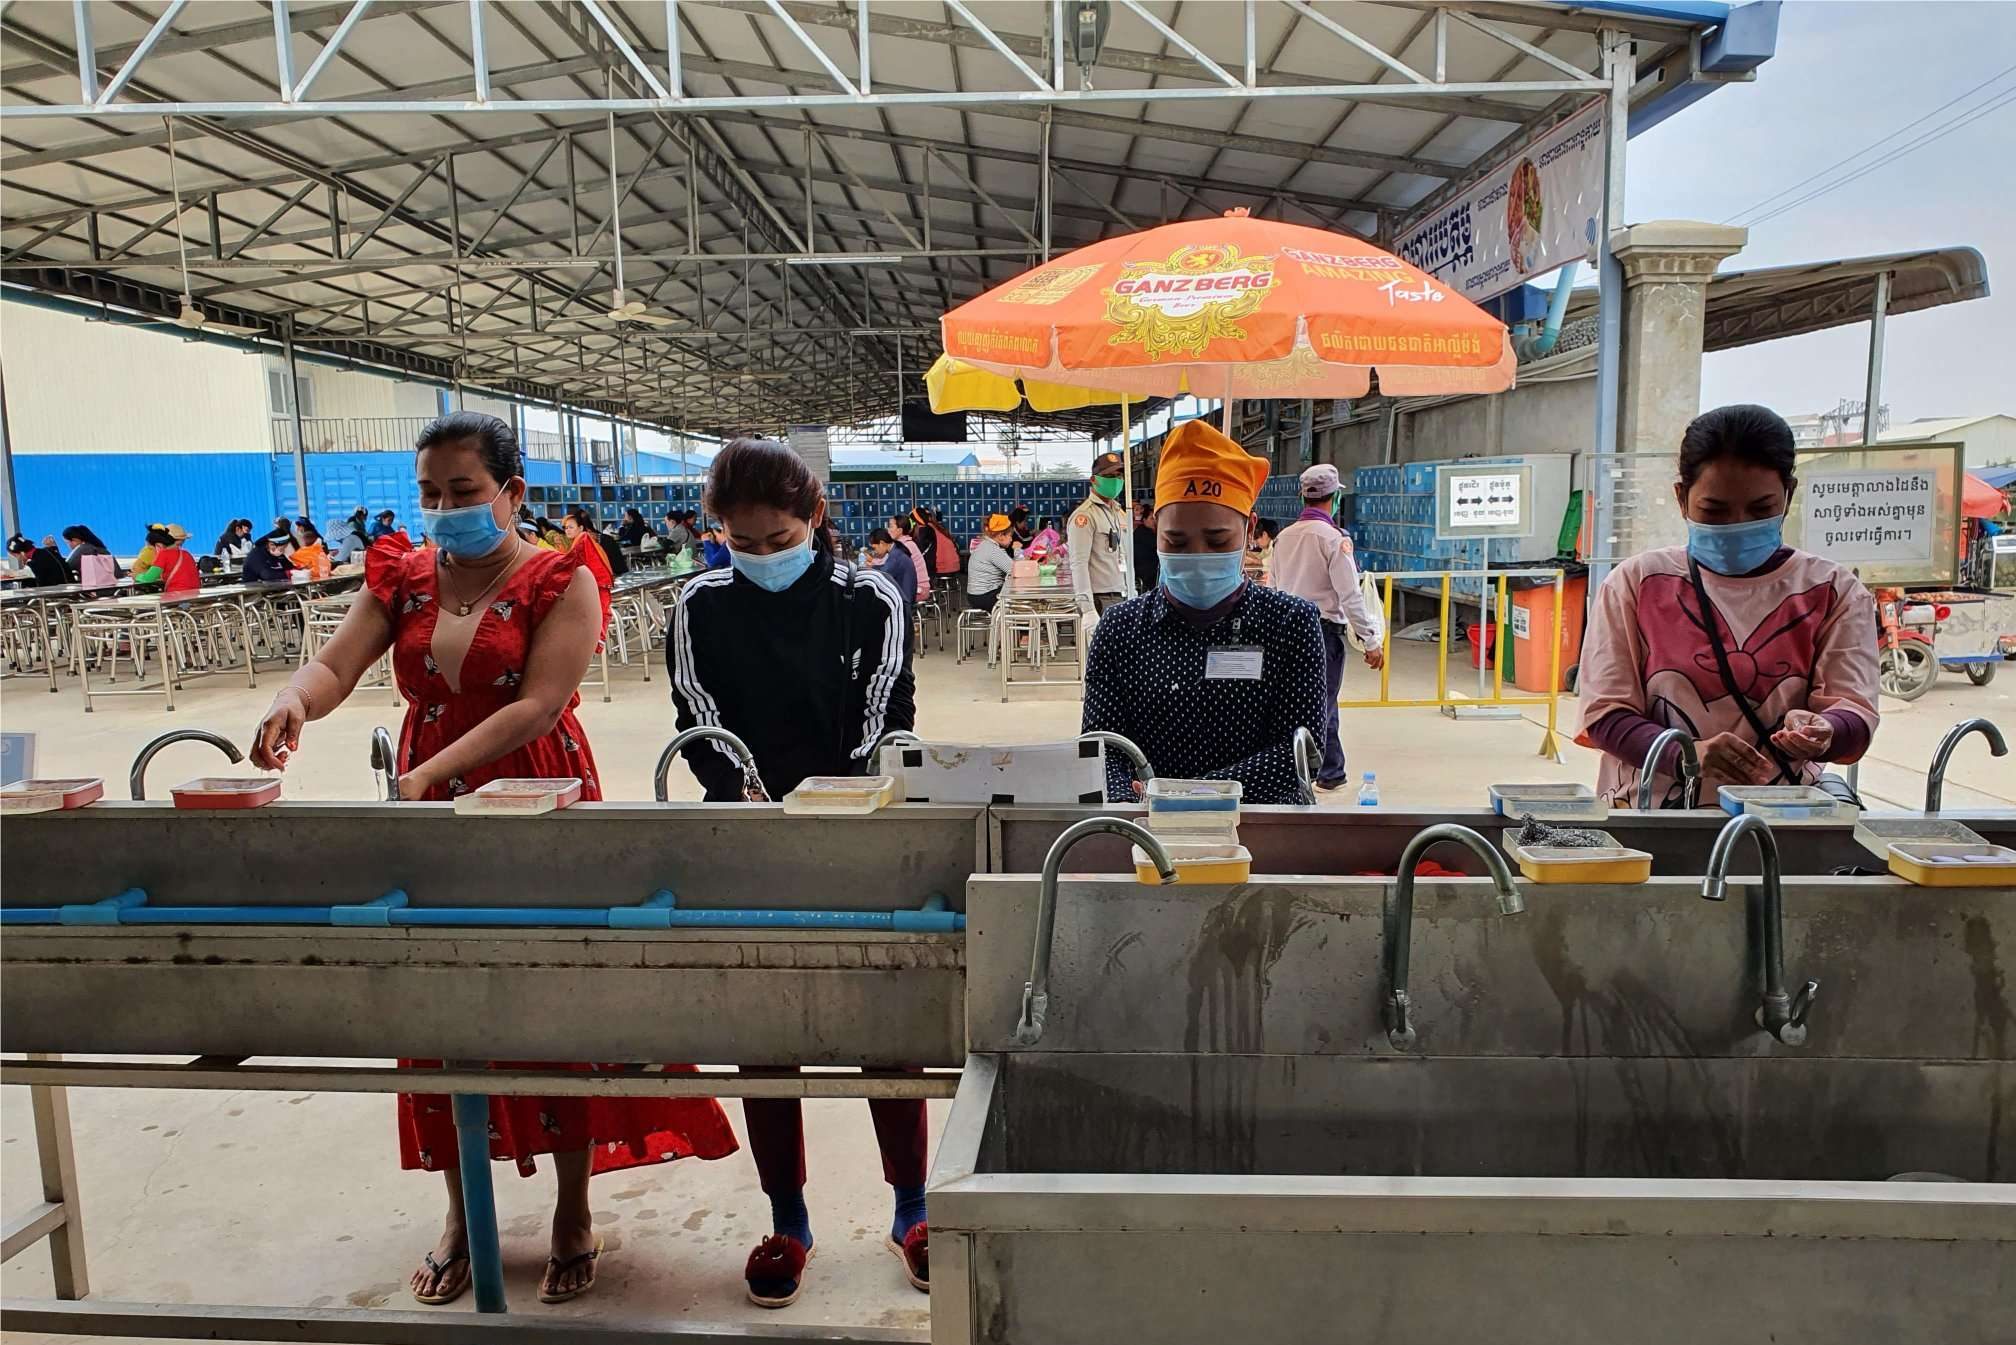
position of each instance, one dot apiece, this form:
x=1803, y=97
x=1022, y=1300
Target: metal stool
x=973, y=625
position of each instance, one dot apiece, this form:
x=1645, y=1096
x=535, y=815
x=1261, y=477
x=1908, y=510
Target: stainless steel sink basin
x=1089, y=1200
x=1593, y=1142
x=1779, y=1117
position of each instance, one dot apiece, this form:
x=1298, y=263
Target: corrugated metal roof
x=1932, y=427
x=442, y=234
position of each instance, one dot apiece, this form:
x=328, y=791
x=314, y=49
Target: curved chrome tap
x=1782, y=1015
x=1036, y=992
x=890, y=736
x=1308, y=760
x=1398, y=943
x=751, y=781
x=1935, y=778
x=1690, y=769
x=1127, y=747
x=385, y=761
x=136, y=779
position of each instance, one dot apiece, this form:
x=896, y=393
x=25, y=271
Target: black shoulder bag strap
x=1786, y=772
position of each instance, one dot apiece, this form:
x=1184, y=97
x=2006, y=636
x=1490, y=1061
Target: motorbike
x=1907, y=666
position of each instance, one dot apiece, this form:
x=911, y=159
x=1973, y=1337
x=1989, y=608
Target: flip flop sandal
x=556, y=1267
x=775, y=1273
x=439, y=1269
x=915, y=1254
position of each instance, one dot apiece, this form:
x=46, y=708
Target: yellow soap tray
x=1931, y=864
x=1198, y=864
x=1606, y=863
x=840, y=795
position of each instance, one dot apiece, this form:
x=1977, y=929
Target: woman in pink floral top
x=1797, y=632
x=490, y=636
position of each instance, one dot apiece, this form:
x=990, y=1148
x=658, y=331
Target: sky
x=1846, y=75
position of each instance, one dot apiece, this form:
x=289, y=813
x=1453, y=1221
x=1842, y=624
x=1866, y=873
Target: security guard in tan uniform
x=1099, y=534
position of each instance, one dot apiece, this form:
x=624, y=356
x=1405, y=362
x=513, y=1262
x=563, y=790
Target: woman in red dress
x=490, y=636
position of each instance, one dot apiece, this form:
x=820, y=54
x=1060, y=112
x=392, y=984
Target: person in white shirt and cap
x=1098, y=535
x=1313, y=559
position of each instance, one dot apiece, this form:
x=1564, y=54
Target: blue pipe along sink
x=346, y=932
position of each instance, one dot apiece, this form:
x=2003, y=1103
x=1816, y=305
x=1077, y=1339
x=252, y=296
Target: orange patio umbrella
x=1234, y=306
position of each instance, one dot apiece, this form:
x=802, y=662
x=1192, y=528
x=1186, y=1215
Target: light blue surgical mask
x=777, y=571
x=1201, y=581
x=468, y=533
x=1735, y=548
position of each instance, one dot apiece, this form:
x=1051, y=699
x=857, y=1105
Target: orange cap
x=1199, y=463
x=997, y=523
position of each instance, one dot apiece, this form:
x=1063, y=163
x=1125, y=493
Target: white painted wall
x=75, y=386
x=348, y=392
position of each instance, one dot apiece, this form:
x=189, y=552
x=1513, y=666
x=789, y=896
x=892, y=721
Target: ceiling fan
x=191, y=318
x=621, y=308
x=635, y=311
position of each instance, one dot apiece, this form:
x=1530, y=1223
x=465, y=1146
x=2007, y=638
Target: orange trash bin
x=1532, y=622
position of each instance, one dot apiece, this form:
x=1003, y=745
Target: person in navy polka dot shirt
x=1209, y=674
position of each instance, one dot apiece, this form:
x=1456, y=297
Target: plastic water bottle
x=1368, y=793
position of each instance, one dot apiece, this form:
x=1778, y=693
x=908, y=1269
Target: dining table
x=241, y=596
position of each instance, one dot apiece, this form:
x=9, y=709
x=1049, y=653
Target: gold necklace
x=465, y=608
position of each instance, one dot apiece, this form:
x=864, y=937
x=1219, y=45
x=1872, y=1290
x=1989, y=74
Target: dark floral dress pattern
x=623, y=1132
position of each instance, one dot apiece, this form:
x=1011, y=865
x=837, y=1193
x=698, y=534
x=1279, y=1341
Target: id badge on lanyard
x=1234, y=662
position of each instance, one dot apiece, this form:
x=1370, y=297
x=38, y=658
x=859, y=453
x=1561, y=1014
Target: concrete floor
x=264, y=1198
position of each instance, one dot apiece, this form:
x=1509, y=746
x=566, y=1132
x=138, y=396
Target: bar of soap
x=215, y=791
x=519, y=798
x=49, y=796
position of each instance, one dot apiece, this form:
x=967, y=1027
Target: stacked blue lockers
x=1396, y=526
x=860, y=506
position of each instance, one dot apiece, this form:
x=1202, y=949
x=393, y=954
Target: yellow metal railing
x=1442, y=697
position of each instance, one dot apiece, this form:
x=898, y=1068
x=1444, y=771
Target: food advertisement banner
x=1538, y=210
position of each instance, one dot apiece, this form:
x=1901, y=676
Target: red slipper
x=916, y=1256
x=776, y=1271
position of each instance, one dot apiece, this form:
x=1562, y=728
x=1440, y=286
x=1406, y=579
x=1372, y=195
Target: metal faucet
x=751, y=782
x=1398, y=943
x=1781, y=1014
x=1127, y=747
x=1036, y=991
x=1690, y=769
x=1308, y=760
x=385, y=761
x=890, y=736
x=1935, y=778
x=136, y=779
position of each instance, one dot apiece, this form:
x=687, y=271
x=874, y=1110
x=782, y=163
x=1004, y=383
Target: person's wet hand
x=279, y=733
x=414, y=785
x=1140, y=790
x=1727, y=760
x=1375, y=657
x=1804, y=735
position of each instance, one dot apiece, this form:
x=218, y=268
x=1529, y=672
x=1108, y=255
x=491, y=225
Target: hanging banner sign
x=1540, y=209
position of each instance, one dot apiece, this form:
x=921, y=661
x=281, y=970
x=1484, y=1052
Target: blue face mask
x=777, y=571
x=469, y=533
x=1201, y=582
x=1735, y=548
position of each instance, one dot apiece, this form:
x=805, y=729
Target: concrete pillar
x=1667, y=265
